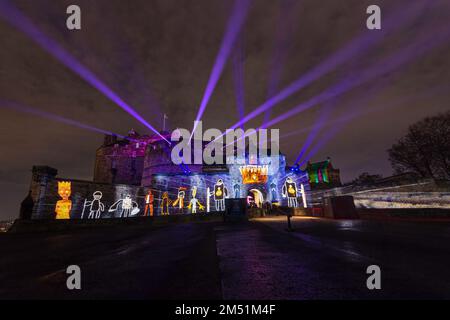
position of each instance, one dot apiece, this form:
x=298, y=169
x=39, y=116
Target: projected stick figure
x=194, y=202
x=165, y=202
x=148, y=210
x=220, y=193
x=128, y=207
x=290, y=191
x=64, y=206
x=96, y=207
x=180, y=198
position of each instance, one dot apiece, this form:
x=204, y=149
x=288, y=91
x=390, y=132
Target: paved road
x=172, y=262
x=327, y=259
x=321, y=259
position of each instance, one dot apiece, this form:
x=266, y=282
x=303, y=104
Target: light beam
x=14, y=17
x=235, y=22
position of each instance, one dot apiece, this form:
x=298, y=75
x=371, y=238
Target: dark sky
x=157, y=55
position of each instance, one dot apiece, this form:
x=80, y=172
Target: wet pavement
x=327, y=259
x=260, y=259
x=174, y=262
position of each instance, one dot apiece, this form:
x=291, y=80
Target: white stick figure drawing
x=129, y=207
x=289, y=190
x=220, y=193
x=96, y=207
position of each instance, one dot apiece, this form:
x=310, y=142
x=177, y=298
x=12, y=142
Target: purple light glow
x=361, y=44
x=282, y=44
x=238, y=78
x=44, y=114
x=389, y=64
x=319, y=124
x=354, y=112
x=235, y=22
x=14, y=17
x=395, y=60
x=323, y=116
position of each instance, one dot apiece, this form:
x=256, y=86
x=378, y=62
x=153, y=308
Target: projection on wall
x=180, y=199
x=165, y=202
x=194, y=202
x=273, y=192
x=126, y=206
x=237, y=190
x=64, y=206
x=220, y=193
x=95, y=206
x=289, y=191
x=149, y=198
x=254, y=174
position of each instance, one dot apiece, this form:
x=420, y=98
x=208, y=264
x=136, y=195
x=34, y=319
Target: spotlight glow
x=354, y=112
x=425, y=43
x=361, y=44
x=237, y=19
x=44, y=114
x=14, y=17
x=238, y=79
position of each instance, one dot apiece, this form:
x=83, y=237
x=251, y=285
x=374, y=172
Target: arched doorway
x=255, y=196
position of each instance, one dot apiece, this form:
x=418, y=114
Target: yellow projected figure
x=194, y=202
x=64, y=206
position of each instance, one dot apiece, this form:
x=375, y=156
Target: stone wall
x=423, y=194
x=44, y=191
x=120, y=164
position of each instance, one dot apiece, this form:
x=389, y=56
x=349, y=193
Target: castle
x=135, y=176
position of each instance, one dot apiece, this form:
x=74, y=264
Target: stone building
x=322, y=175
x=127, y=169
x=121, y=160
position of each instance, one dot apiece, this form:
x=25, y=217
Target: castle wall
x=425, y=194
x=44, y=191
x=171, y=180
x=121, y=161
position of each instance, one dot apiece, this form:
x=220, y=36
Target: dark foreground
x=321, y=259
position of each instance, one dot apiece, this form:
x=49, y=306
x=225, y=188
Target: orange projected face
x=254, y=174
x=64, y=206
x=64, y=189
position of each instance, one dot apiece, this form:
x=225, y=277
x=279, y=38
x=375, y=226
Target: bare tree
x=366, y=178
x=425, y=149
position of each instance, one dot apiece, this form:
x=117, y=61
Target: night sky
x=158, y=54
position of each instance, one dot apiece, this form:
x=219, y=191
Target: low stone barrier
x=49, y=225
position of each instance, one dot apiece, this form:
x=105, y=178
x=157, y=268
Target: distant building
x=323, y=175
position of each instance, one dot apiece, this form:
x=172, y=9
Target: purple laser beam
x=354, y=113
x=235, y=22
x=342, y=121
x=14, y=17
x=282, y=44
x=389, y=64
x=238, y=78
x=323, y=116
x=359, y=45
x=331, y=105
x=44, y=114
